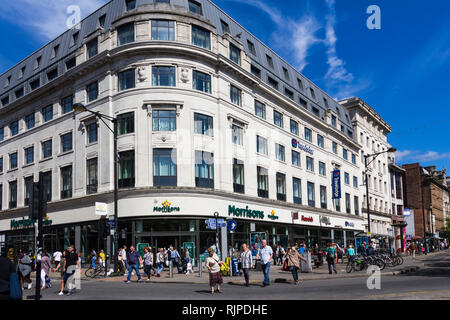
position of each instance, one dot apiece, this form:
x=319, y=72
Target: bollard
x=170, y=269
x=200, y=268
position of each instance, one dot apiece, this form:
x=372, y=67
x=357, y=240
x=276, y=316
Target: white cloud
x=420, y=156
x=45, y=18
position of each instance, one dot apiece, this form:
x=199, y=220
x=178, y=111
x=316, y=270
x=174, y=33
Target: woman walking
x=24, y=269
x=160, y=258
x=60, y=267
x=45, y=269
x=247, y=262
x=293, y=261
x=215, y=276
x=148, y=261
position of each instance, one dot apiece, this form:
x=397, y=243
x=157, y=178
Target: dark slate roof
x=116, y=8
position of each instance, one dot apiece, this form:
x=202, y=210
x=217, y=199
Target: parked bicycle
x=92, y=272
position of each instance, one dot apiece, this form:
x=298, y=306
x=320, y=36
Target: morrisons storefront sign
x=27, y=223
x=166, y=207
x=245, y=212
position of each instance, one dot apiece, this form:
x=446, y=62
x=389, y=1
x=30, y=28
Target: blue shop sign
x=304, y=147
x=336, y=184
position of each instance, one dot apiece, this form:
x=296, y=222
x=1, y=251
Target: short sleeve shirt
x=265, y=253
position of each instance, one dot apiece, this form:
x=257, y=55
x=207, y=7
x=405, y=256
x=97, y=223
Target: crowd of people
x=424, y=247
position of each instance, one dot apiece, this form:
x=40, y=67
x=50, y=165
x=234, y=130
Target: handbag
x=15, y=292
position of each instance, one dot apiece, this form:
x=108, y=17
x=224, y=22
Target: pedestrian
x=293, y=262
x=247, y=263
x=60, y=267
x=265, y=254
x=24, y=270
x=413, y=249
x=362, y=249
x=188, y=261
x=280, y=254
x=135, y=260
x=93, y=258
x=213, y=264
x=350, y=253
x=123, y=254
x=370, y=249
x=57, y=257
x=160, y=260
x=331, y=258
x=71, y=264
x=46, y=266
x=175, y=258
x=101, y=258
x=6, y=269
x=148, y=261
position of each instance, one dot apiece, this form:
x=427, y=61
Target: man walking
x=331, y=258
x=135, y=260
x=265, y=253
x=247, y=263
x=57, y=257
x=70, y=268
x=123, y=255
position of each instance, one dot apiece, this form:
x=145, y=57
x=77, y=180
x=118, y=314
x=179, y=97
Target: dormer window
x=55, y=51
x=37, y=62
x=225, y=27
x=35, y=84
x=75, y=37
x=195, y=7
x=286, y=73
x=269, y=60
x=130, y=4
x=313, y=95
x=251, y=47
x=8, y=81
x=325, y=101
x=101, y=21
x=300, y=84
x=22, y=72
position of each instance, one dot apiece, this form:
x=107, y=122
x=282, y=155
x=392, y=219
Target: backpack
x=330, y=256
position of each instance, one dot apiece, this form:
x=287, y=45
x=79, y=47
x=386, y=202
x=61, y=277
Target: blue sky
x=401, y=70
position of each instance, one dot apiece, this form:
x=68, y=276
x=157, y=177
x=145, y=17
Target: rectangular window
x=130, y=4
x=237, y=135
x=260, y=109
x=337, y=204
x=300, y=84
x=29, y=121
x=164, y=167
x=238, y=176
x=203, y=124
x=47, y=181
x=279, y=152
x=19, y=93
x=297, y=190
x=46, y=149
x=126, y=169
x=13, y=160
x=320, y=140
x=91, y=176
x=308, y=134
x=235, y=95
x=13, y=194
x=346, y=178
x=92, y=48
x=294, y=127
x=355, y=182
x=71, y=63
x=204, y=169
x=92, y=132
x=75, y=38
x=315, y=111
x=261, y=145
x=272, y=82
x=35, y=84
x=286, y=73
x=311, y=195
x=163, y=30
x=66, y=182
x=235, y=54
x=52, y=74
x=251, y=47
x=335, y=148
x=67, y=104
x=313, y=95
x=333, y=121
x=164, y=120
x=195, y=7
x=322, y=168
x=163, y=76
x=345, y=154
x=225, y=26
x=14, y=128
x=201, y=81
x=125, y=123
x=303, y=103
x=281, y=186
x=269, y=61
x=353, y=158
x=288, y=93
x=125, y=34
x=323, y=197
x=310, y=164
x=255, y=71
x=28, y=184
x=92, y=91
x=201, y=37
x=1, y=197
x=66, y=142
x=101, y=21
x=37, y=62
x=5, y=101
x=47, y=113
x=263, y=182
x=1, y=164
x=347, y=203
x=29, y=155
x=278, y=118
x=356, y=205
x=55, y=51
x=296, y=158
x=126, y=79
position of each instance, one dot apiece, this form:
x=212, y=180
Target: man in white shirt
x=57, y=257
x=265, y=253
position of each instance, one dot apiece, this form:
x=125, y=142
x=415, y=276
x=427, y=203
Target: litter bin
x=235, y=266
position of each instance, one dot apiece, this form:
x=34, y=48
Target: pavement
x=276, y=274
x=423, y=278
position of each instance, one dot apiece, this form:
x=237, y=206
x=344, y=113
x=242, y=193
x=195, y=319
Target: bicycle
x=99, y=270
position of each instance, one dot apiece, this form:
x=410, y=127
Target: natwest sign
x=307, y=219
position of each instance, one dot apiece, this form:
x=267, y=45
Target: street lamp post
x=366, y=164
x=80, y=107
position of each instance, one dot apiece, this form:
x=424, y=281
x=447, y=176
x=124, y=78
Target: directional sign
x=232, y=225
x=211, y=223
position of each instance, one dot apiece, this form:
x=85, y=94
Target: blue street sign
x=232, y=225
x=211, y=223
x=336, y=184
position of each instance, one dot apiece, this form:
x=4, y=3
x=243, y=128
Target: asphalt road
x=432, y=282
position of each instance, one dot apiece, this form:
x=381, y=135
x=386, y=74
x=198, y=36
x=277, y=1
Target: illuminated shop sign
x=304, y=147
x=27, y=223
x=166, y=207
x=245, y=212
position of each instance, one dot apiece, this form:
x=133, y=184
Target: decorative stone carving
x=184, y=75
x=141, y=74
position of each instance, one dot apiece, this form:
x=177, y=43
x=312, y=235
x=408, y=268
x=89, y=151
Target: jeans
x=93, y=263
x=130, y=271
x=265, y=269
x=294, y=270
x=160, y=268
x=331, y=263
x=246, y=276
x=148, y=270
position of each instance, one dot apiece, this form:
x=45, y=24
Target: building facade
x=209, y=120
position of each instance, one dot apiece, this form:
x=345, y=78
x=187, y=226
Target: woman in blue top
x=331, y=258
x=350, y=253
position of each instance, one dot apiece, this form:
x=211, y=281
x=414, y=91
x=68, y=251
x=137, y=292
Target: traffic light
x=33, y=210
x=102, y=229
